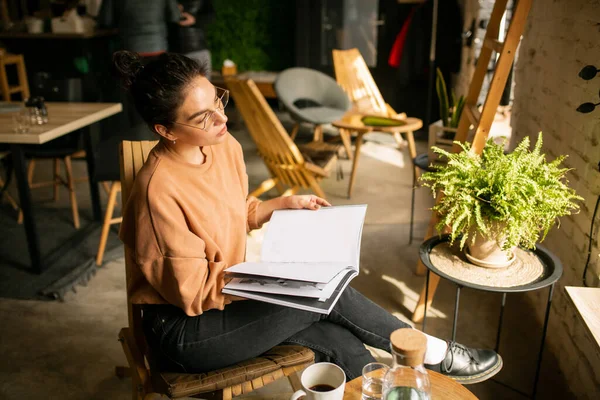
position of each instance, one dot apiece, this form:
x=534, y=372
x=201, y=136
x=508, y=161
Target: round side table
x=552, y=271
x=351, y=123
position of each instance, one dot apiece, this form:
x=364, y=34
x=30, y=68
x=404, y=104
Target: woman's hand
x=309, y=202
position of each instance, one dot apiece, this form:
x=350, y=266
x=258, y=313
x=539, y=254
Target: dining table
x=63, y=118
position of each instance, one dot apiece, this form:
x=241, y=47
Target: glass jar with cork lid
x=407, y=379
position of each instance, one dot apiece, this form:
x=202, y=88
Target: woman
x=186, y=221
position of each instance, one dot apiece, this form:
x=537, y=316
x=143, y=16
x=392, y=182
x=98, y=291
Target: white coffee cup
x=322, y=374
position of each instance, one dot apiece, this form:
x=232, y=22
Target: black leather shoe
x=468, y=366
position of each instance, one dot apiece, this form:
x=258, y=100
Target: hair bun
x=127, y=65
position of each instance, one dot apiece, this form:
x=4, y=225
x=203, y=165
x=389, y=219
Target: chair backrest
x=132, y=157
x=353, y=75
x=304, y=83
x=279, y=152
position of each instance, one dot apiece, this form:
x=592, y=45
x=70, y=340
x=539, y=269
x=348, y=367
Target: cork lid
x=410, y=344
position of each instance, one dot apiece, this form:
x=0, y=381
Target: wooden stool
x=22, y=86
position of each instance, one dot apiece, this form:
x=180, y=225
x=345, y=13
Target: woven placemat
x=450, y=260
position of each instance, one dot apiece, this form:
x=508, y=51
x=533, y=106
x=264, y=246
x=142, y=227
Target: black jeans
x=246, y=329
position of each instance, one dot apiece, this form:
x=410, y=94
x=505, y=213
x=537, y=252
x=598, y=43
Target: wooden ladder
x=22, y=87
x=481, y=121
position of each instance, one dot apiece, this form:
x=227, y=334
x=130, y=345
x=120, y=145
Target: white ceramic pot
x=488, y=253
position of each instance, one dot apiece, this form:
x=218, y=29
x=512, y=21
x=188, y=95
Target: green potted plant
x=442, y=131
x=495, y=201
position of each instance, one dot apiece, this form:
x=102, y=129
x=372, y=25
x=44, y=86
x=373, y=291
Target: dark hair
x=158, y=86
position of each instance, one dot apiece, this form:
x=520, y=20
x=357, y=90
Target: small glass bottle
x=408, y=378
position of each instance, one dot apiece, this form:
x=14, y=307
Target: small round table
x=552, y=271
x=351, y=122
x=442, y=387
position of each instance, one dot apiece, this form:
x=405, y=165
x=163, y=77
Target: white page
x=312, y=272
x=287, y=286
x=328, y=235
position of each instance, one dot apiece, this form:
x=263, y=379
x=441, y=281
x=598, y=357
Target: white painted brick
x=561, y=37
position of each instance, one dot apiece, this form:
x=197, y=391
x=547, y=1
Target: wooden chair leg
x=434, y=280
x=291, y=191
x=347, y=142
x=71, y=186
x=412, y=151
x=30, y=170
x=294, y=131
x=13, y=203
x=4, y=82
x=399, y=141
x=106, y=187
x=318, y=133
x=108, y=220
x=316, y=188
x=264, y=187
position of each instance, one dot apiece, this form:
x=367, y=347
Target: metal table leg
x=500, y=322
x=539, y=363
x=33, y=239
x=458, y=287
x=91, y=167
x=426, y=298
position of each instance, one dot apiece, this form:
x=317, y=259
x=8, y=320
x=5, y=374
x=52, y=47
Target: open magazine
x=307, y=259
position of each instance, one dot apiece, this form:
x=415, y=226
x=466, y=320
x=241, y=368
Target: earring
x=174, y=141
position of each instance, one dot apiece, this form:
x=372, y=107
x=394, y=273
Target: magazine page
x=302, y=303
x=289, y=287
x=312, y=272
x=328, y=235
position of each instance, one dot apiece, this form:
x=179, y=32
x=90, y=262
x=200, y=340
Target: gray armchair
x=311, y=97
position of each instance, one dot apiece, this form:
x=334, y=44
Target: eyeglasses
x=207, y=119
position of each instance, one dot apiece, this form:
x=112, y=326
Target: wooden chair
x=23, y=85
x=353, y=75
x=288, y=164
x=225, y=383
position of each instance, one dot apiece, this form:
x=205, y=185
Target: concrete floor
x=68, y=350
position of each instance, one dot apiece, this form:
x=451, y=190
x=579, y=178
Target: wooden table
x=587, y=303
x=63, y=118
x=351, y=123
x=442, y=387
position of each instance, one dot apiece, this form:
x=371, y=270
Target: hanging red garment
x=396, y=52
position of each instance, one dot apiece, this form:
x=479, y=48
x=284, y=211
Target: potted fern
x=495, y=201
x=442, y=132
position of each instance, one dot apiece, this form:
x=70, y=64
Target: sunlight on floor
x=411, y=297
x=383, y=153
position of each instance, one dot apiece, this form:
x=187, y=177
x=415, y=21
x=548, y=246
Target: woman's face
x=201, y=120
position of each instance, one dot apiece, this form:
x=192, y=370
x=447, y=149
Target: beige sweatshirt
x=184, y=224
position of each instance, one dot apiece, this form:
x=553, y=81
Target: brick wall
x=561, y=37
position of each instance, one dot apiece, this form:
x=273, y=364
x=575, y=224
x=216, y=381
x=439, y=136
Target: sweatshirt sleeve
x=252, y=202
x=173, y=259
